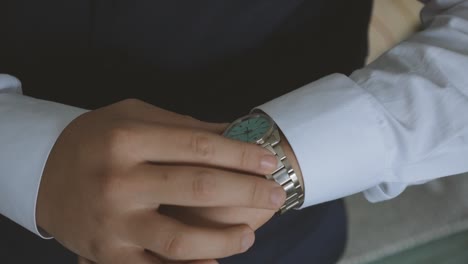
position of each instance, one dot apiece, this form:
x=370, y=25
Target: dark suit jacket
x=212, y=59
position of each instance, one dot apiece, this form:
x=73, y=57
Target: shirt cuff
x=28, y=130
x=336, y=134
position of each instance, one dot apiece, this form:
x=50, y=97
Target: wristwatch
x=259, y=128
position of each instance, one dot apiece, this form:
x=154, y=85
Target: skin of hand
x=226, y=216
x=111, y=169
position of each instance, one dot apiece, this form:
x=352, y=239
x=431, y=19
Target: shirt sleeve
x=28, y=130
x=401, y=120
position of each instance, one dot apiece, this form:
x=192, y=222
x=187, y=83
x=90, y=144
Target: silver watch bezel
x=265, y=136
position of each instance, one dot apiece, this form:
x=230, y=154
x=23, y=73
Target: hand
x=225, y=216
x=112, y=168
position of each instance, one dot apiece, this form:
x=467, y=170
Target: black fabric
x=211, y=59
x=188, y=56
x=19, y=246
x=313, y=235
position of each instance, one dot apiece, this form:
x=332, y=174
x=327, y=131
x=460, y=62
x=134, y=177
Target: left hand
x=213, y=217
x=225, y=216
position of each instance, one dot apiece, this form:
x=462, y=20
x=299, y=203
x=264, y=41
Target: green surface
x=449, y=250
x=250, y=130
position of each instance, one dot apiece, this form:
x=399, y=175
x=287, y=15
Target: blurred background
x=392, y=21
x=426, y=224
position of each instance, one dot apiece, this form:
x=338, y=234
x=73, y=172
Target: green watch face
x=250, y=129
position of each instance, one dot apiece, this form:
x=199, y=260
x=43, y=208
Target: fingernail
x=247, y=240
x=269, y=163
x=277, y=197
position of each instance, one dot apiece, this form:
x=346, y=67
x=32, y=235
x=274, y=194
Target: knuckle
x=174, y=246
x=244, y=156
x=118, y=137
x=204, y=185
x=129, y=102
x=255, y=192
x=121, y=132
x=202, y=145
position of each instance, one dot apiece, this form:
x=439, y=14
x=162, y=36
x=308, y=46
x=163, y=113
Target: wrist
x=288, y=151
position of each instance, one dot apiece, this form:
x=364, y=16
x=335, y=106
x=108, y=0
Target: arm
x=401, y=120
x=103, y=175
x=28, y=129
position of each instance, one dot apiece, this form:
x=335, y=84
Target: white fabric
x=28, y=130
x=401, y=120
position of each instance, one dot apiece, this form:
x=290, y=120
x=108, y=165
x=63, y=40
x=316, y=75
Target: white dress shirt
x=401, y=120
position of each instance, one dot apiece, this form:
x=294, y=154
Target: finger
x=177, y=145
x=203, y=187
x=140, y=110
x=219, y=216
x=176, y=241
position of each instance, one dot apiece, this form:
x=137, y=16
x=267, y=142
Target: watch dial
x=250, y=130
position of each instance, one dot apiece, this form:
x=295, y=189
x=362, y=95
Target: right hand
x=112, y=168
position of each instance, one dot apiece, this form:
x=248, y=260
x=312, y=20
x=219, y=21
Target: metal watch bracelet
x=284, y=175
